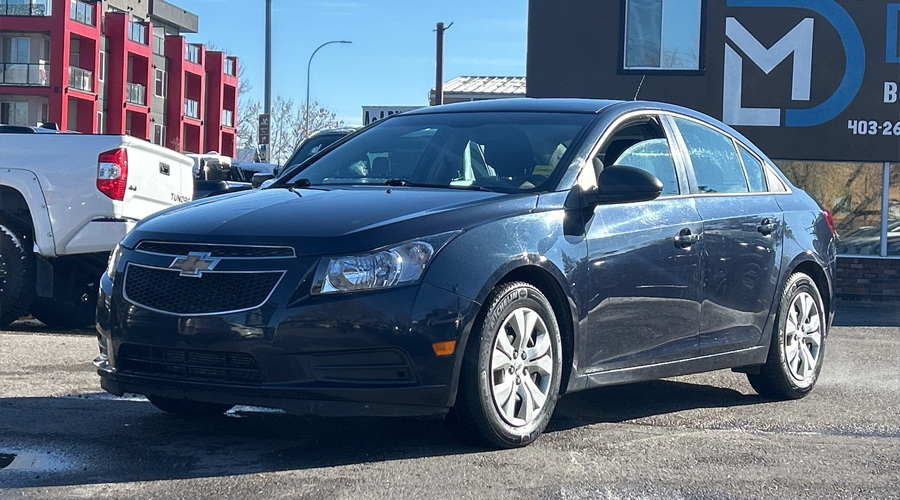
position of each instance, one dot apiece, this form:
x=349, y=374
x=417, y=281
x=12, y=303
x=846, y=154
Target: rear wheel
x=511, y=370
x=184, y=407
x=798, y=343
x=16, y=275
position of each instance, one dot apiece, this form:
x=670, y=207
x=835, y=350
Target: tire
x=185, y=407
x=509, y=383
x=798, y=343
x=57, y=313
x=16, y=275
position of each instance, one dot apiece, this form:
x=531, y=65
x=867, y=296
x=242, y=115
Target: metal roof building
x=479, y=88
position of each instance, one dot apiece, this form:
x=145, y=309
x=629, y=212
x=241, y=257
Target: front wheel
x=16, y=275
x=511, y=370
x=798, y=343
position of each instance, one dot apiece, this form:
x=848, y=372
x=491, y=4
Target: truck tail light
x=112, y=173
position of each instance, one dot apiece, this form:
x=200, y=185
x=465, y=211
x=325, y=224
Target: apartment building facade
x=117, y=67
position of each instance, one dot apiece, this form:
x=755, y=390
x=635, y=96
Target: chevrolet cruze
x=476, y=261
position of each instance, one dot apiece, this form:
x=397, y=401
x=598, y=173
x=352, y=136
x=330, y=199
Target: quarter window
x=714, y=158
x=755, y=172
x=663, y=34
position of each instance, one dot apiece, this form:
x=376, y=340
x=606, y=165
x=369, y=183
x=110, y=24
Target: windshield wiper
x=404, y=182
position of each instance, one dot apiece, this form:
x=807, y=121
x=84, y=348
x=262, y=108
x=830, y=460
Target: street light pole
x=308, y=66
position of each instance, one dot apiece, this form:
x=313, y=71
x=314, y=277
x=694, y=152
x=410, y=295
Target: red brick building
x=117, y=67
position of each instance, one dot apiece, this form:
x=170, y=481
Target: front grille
x=165, y=290
x=222, y=251
x=185, y=364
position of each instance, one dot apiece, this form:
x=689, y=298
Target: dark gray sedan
x=477, y=261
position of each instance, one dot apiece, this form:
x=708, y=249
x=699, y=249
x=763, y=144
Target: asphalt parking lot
x=701, y=436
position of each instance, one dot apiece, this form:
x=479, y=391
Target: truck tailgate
x=157, y=178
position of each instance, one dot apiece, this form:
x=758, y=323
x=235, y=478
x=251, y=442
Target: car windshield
x=507, y=152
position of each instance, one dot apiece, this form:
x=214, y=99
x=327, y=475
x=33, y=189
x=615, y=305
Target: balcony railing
x=36, y=8
x=137, y=32
x=228, y=118
x=192, y=53
x=191, y=108
x=81, y=79
x=31, y=74
x=135, y=93
x=82, y=12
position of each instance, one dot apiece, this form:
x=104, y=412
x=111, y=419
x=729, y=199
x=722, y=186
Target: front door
x=645, y=261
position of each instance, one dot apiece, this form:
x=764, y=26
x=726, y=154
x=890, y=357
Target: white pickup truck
x=66, y=200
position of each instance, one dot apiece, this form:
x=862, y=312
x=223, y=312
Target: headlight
x=402, y=264
x=114, y=257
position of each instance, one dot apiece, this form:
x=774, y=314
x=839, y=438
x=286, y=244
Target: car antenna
x=638, y=91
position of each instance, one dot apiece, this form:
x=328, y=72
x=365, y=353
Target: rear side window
x=755, y=173
x=717, y=166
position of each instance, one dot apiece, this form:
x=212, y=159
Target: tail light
x=112, y=173
x=830, y=219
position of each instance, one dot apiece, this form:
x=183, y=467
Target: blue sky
x=392, y=58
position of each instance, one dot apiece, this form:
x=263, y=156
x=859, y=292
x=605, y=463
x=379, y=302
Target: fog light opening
x=444, y=348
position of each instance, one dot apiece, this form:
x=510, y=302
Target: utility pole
x=268, y=104
x=439, y=77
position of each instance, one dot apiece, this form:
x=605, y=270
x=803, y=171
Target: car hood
x=331, y=221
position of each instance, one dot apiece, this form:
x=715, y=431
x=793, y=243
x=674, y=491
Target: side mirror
x=622, y=184
x=258, y=179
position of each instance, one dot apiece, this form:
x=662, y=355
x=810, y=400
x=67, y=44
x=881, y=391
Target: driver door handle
x=685, y=238
x=767, y=227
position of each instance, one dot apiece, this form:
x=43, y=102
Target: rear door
x=645, y=259
x=742, y=234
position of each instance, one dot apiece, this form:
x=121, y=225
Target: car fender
x=28, y=185
x=474, y=262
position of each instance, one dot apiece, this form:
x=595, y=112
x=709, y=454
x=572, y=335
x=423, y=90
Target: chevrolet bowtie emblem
x=194, y=264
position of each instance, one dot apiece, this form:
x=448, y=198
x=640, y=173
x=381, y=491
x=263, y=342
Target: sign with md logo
x=814, y=79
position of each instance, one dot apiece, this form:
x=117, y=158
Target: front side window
x=663, y=35
x=505, y=152
x=714, y=158
x=643, y=146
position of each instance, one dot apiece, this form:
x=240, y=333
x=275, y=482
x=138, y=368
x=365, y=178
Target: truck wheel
x=16, y=276
x=65, y=314
x=511, y=370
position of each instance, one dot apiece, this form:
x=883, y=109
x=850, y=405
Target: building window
x=101, y=127
x=101, y=68
x=137, y=32
x=25, y=7
x=159, y=134
x=160, y=85
x=192, y=53
x=82, y=12
x=159, y=45
x=229, y=66
x=663, y=35
x=14, y=113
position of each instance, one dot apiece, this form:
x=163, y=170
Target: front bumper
x=342, y=355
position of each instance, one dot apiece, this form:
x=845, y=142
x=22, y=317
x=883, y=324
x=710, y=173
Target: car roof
x=525, y=104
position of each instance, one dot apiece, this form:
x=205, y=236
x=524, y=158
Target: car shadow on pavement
x=867, y=313
x=95, y=438
x=621, y=403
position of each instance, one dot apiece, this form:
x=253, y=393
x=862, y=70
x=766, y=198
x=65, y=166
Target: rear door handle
x=685, y=238
x=766, y=227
